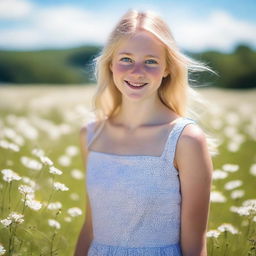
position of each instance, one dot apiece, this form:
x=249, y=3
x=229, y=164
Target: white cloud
x=14, y=9
x=68, y=26
x=219, y=31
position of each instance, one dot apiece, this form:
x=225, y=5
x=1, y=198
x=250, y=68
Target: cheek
x=119, y=69
x=154, y=71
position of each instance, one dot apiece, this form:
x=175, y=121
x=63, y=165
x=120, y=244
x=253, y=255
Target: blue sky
x=196, y=25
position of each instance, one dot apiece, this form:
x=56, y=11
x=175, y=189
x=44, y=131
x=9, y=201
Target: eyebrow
x=129, y=54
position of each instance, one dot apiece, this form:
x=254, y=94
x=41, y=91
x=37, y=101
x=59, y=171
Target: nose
x=137, y=70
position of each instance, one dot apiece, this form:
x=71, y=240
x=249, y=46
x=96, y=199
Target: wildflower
x=233, y=146
x=67, y=219
x=233, y=184
x=54, y=223
x=31, y=163
x=213, y=233
x=4, y=144
x=46, y=160
x=28, y=181
x=251, y=203
x=64, y=160
x=72, y=150
x=2, y=250
x=217, y=197
x=12, y=218
x=228, y=227
x=75, y=211
x=218, y=174
x=237, y=194
x=33, y=204
x=54, y=170
x=230, y=167
x=13, y=147
x=253, y=170
x=10, y=175
x=16, y=217
x=254, y=219
x=242, y=211
x=37, y=152
x=77, y=174
x=74, y=196
x=6, y=222
x=54, y=206
x=7, y=145
x=60, y=186
x=24, y=189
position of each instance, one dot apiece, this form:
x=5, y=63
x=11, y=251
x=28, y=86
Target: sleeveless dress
x=135, y=200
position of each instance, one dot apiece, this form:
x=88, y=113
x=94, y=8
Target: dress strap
x=91, y=133
x=174, y=137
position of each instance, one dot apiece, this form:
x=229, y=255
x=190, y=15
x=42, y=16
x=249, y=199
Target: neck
x=134, y=114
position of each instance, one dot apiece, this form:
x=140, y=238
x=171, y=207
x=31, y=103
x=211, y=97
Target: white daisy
x=31, y=163
x=228, y=227
x=54, y=223
x=54, y=170
x=233, y=184
x=230, y=167
x=9, y=175
x=2, y=250
x=46, y=160
x=60, y=186
x=54, y=206
x=72, y=150
x=77, y=174
x=213, y=233
x=217, y=197
x=75, y=211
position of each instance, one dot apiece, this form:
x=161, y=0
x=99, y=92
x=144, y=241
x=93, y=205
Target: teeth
x=136, y=84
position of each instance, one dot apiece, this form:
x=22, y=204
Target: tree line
x=74, y=66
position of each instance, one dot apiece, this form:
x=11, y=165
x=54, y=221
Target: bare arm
x=86, y=233
x=195, y=170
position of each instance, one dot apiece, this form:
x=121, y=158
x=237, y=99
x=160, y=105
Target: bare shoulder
x=191, y=147
x=192, y=135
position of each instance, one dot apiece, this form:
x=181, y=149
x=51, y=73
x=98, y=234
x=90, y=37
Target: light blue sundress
x=135, y=200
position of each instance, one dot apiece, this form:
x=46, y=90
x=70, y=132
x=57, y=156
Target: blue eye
x=126, y=59
x=151, y=61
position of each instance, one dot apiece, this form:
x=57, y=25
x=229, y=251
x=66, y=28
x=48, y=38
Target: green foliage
x=236, y=70
x=47, y=66
x=75, y=66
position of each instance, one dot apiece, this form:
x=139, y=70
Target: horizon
x=34, y=25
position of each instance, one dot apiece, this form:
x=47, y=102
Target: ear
x=166, y=73
x=110, y=66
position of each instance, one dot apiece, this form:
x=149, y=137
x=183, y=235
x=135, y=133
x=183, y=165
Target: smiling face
x=139, y=65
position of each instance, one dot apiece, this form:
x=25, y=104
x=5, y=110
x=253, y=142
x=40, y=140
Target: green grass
x=56, y=114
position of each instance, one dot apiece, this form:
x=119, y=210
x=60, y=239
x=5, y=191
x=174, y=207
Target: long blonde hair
x=175, y=91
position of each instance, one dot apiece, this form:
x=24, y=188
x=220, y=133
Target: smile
x=135, y=85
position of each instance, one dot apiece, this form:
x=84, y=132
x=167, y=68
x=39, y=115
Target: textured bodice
x=135, y=199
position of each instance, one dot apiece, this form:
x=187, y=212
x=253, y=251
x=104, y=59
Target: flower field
x=42, y=179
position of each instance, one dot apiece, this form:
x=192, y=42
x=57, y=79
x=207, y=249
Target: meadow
x=42, y=179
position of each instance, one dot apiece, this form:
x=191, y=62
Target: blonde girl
x=148, y=165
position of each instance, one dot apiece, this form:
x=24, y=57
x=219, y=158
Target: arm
x=195, y=170
x=86, y=233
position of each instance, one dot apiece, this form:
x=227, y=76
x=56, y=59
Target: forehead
x=143, y=43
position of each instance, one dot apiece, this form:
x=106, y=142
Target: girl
x=148, y=165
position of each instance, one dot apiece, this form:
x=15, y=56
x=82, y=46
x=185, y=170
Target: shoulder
x=192, y=135
x=191, y=145
x=86, y=129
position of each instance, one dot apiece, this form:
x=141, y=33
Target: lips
x=135, y=85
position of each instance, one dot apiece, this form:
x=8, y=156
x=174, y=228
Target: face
x=139, y=65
